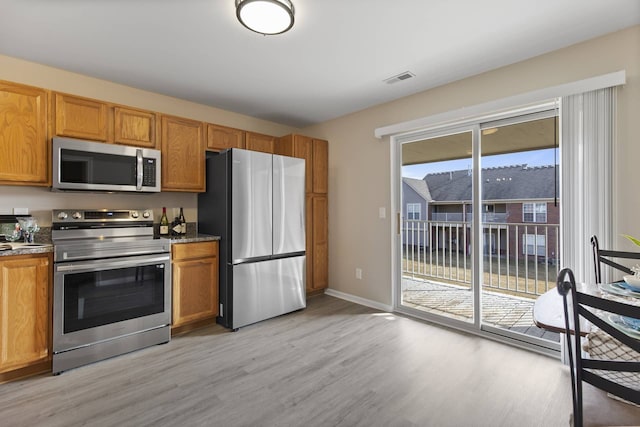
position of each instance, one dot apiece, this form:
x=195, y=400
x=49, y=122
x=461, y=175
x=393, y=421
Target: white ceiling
x=333, y=62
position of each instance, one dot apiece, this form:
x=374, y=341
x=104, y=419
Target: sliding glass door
x=479, y=223
x=436, y=225
x=520, y=220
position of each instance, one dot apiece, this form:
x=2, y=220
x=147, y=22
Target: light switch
x=382, y=212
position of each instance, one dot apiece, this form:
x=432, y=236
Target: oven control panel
x=101, y=215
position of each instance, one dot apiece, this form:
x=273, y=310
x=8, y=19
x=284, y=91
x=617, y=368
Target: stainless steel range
x=112, y=285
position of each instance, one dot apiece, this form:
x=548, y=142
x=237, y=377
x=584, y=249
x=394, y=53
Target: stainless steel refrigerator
x=255, y=202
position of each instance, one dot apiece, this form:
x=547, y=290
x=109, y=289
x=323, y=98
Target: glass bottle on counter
x=183, y=223
x=164, y=223
x=176, y=230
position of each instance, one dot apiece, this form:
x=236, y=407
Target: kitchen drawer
x=182, y=251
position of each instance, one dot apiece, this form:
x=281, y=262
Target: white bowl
x=633, y=283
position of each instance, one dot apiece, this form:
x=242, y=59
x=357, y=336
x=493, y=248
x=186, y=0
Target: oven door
x=102, y=299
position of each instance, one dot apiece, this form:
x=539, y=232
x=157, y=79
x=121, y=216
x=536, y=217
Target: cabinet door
x=259, y=142
x=134, y=127
x=24, y=311
x=81, y=118
x=320, y=251
x=309, y=242
x=195, y=290
x=220, y=138
x=320, y=166
x=183, y=154
x=24, y=151
x=303, y=148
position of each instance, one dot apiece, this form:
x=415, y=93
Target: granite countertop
x=192, y=238
x=43, y=242
x=25, y=248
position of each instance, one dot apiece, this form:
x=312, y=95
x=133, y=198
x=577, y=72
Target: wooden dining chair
x=608, y=257
x=614, y=376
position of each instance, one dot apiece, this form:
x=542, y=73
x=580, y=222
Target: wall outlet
x=382, y=212
x=21, y=211
x=6, y=211
x=359, y=273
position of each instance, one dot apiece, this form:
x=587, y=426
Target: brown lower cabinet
x=25, y=307
x=195, y=284
x=318, y=245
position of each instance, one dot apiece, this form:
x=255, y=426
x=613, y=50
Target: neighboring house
x=520, y=211
x=415, y=205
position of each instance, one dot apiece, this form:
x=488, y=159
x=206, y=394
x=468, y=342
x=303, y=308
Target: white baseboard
x=359, y=300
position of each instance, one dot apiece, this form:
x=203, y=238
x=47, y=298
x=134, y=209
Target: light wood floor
x=332, y=364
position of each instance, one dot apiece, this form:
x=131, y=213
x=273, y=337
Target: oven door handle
x=110, y=264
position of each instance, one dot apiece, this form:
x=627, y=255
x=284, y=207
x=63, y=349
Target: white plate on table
x=625, y=327
x=617, y=289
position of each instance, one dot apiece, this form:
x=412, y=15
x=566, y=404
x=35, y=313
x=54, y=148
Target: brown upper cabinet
x=78, y=117
x=259, y=142
x=85, y=118
x=316, y=154
x=302, y=147
x=24, y=147
x=320, y=166
x=134, y=127
x=183, y=154
x=220, y=137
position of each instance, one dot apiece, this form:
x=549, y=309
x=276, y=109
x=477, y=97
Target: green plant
x=633, y=239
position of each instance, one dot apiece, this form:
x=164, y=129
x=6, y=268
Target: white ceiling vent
x=400, y=77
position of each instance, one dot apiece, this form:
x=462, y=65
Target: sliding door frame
x=475, y=126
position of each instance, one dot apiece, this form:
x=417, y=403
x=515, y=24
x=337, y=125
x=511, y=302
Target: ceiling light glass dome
x=265, y=16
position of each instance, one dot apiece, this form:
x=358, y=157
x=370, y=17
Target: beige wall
x=359, y=164
x=40, y=201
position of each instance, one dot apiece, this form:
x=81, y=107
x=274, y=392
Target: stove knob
x=134, y=214
x=62, y=215
x=77, y=215
x=146, y=214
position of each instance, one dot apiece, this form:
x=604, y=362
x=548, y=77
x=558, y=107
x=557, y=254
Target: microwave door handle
x=139, y=170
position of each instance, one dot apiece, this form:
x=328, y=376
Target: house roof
x=419, y=186
x=517, y=182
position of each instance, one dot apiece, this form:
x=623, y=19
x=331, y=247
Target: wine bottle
x=176, y=229
x=164, y=223
x=183, y=223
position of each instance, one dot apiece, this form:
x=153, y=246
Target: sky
x=531, y=158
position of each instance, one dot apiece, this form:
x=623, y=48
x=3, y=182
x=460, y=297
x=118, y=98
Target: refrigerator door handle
x=250, y=260
x=267, y=258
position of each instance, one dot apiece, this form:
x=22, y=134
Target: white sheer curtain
x=588, y=133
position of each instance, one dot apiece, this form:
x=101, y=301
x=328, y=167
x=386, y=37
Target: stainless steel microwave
x=95, y=166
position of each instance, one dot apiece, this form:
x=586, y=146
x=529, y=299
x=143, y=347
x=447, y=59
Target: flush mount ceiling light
x=265, y=16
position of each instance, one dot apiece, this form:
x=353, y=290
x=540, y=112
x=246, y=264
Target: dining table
x=548, y=310
x=548, y=313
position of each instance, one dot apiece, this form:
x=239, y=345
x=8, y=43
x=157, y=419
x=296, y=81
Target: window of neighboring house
x=534, y=212
x=413, y=211
x=534, y=244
